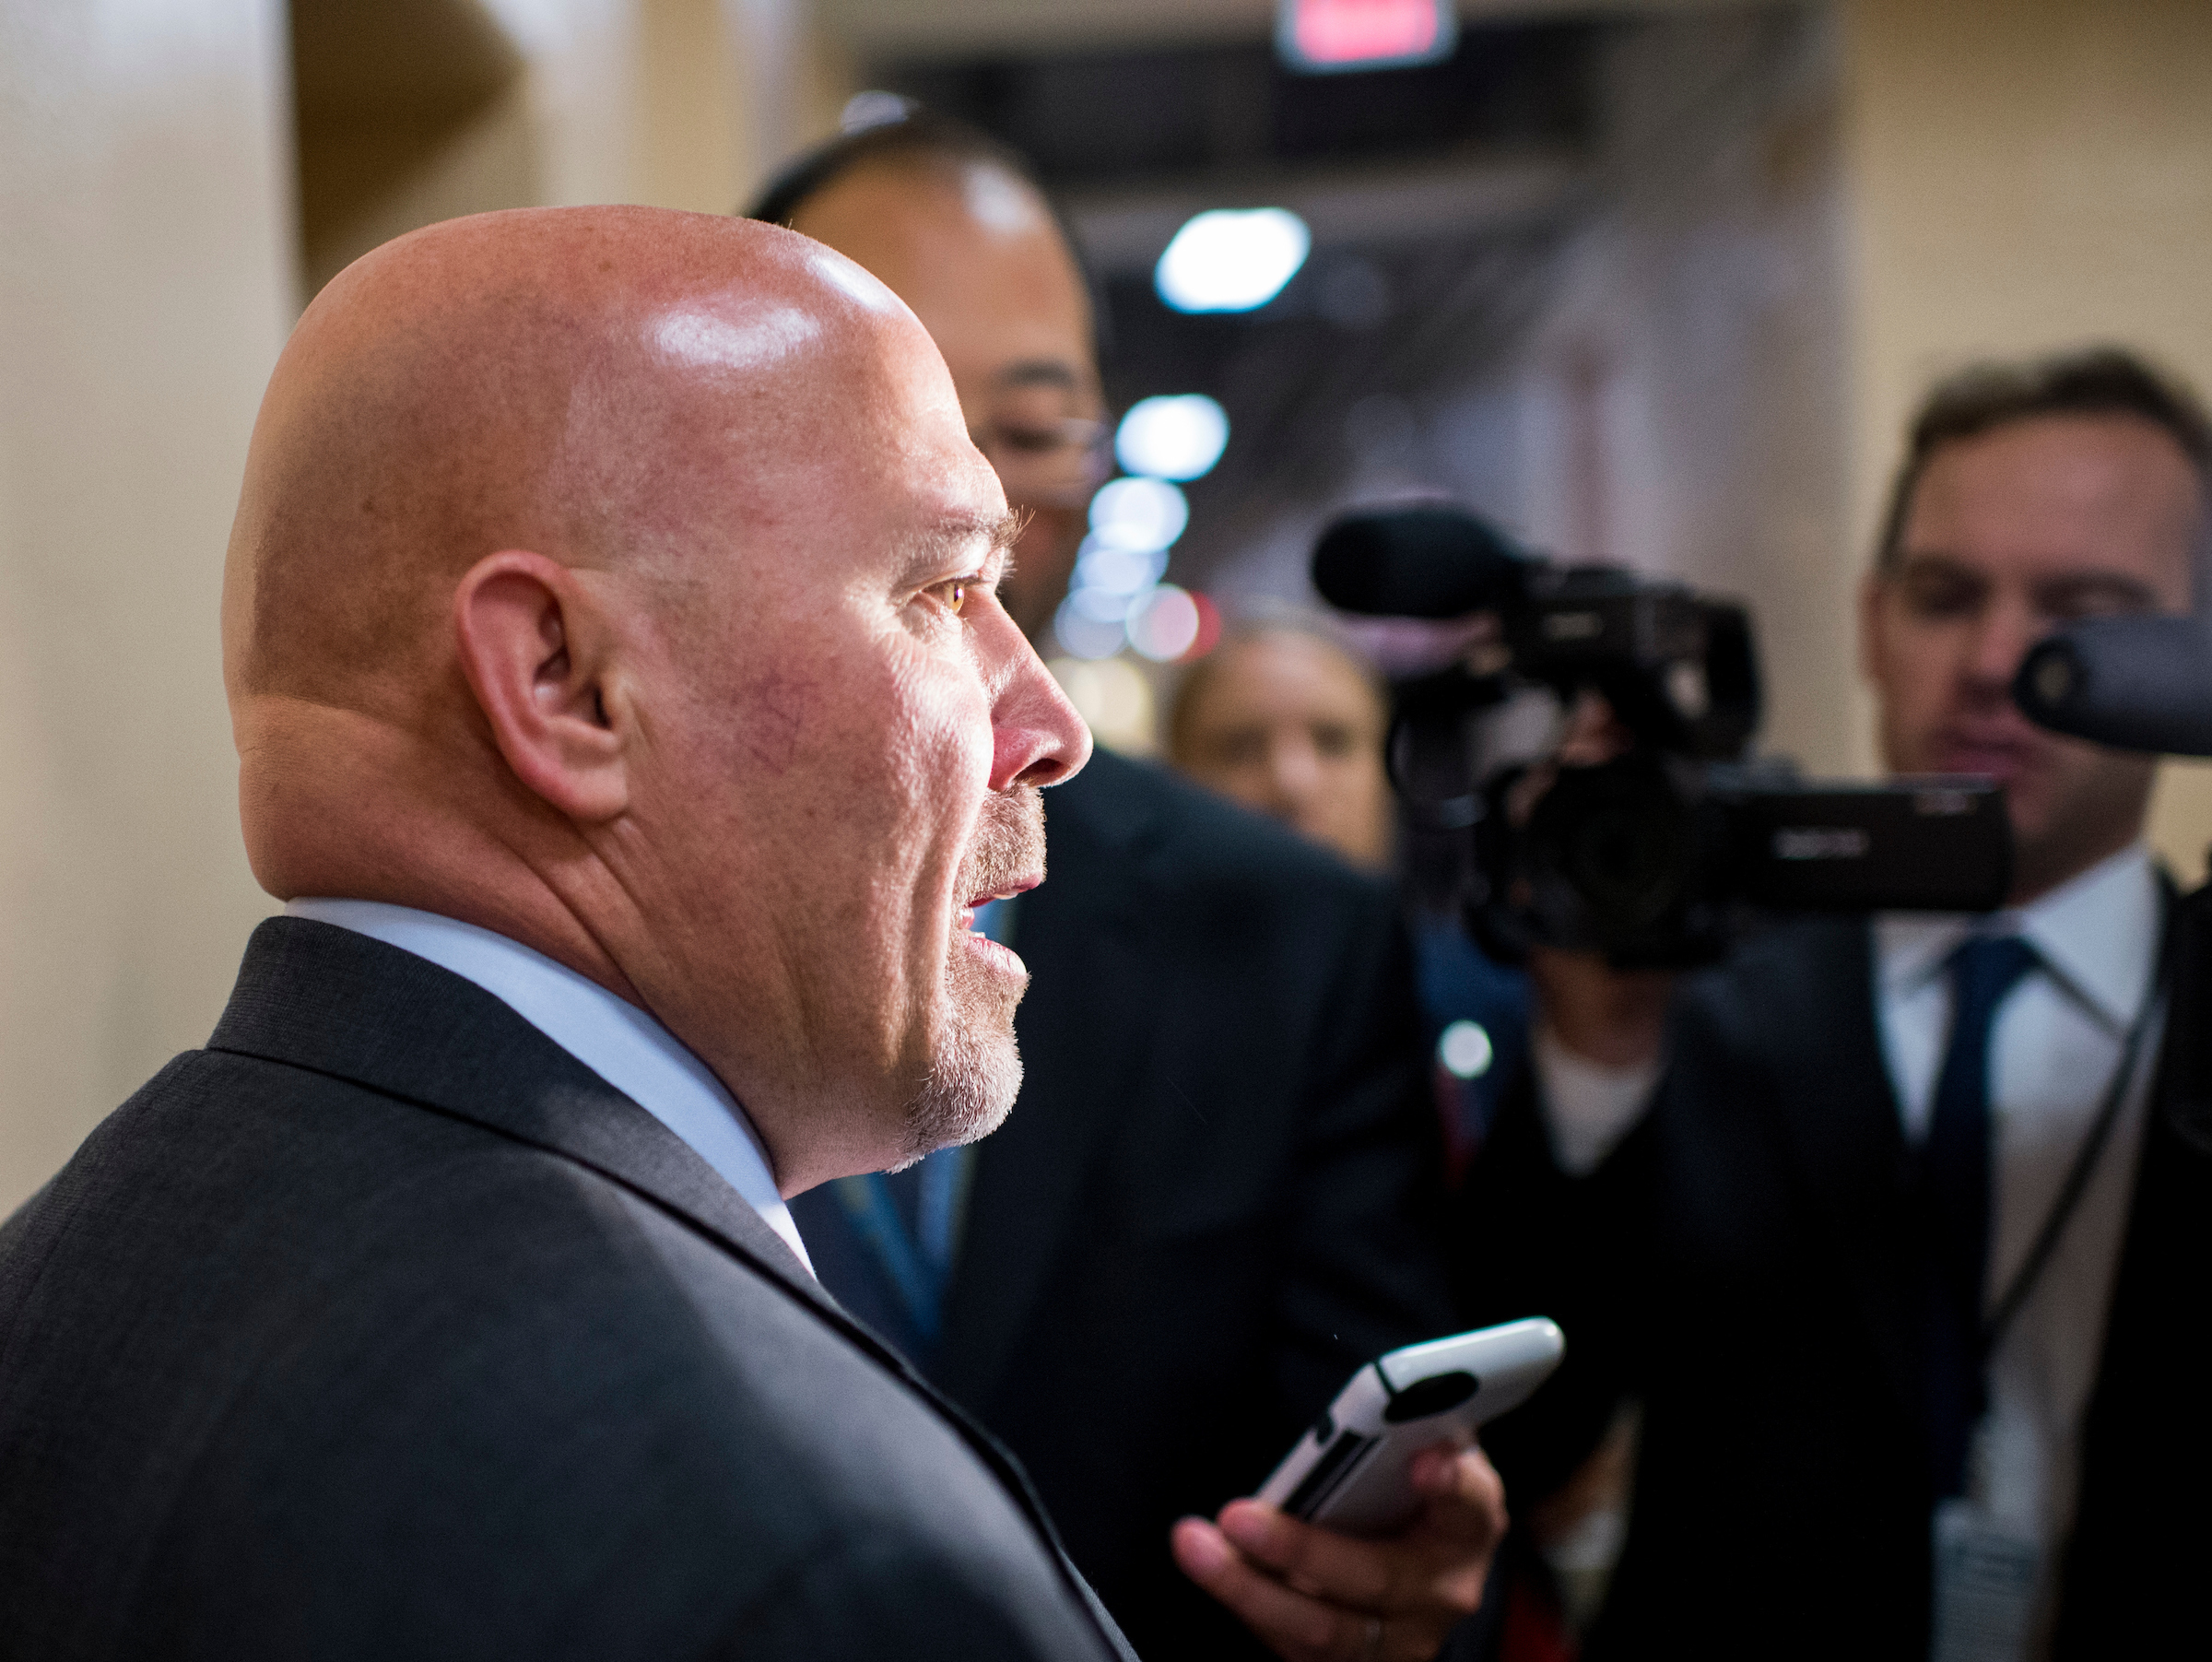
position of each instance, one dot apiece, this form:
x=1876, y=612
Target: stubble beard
x=975, y=1072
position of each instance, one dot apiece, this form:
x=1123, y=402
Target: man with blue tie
x=1846, y=1214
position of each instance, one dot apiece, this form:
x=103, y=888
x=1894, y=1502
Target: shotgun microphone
x=1418, y=562
x=2132, y=683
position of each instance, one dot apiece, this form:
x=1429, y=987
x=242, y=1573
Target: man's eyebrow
x=2118, y=585
x=958, y=533
x=1039, y=371
x=1935, y=560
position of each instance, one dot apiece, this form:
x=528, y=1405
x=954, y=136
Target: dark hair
x=2100, y=381
x=918, y=137
x=921, y=138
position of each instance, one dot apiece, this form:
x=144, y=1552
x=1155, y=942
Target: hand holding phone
x=1349, y=1472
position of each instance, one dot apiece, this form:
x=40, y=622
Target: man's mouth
x=2000, y=755
x=1006, y=858
x=1003, y=891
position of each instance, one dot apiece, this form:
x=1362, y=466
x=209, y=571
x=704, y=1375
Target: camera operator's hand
x=1314, y=1595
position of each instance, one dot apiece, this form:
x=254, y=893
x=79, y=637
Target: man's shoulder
x=386, y=1338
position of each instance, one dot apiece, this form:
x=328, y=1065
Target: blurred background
x=1654, y=282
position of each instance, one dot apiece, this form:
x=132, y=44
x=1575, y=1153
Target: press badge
x=1986, y=1577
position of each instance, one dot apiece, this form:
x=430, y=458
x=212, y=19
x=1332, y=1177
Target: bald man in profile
x=627, y=715
x=1207, y=1210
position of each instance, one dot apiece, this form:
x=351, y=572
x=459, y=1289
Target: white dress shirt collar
x=612, y=1037
x=2092, y=933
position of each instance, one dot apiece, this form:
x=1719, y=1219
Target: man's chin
x=970, y=1092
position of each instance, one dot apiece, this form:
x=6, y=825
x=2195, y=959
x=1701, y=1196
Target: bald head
x=624, y=582
x=974, y=250
x=536, y=380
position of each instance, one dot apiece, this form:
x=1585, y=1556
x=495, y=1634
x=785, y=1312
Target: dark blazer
x=383, y=1327
x=1741, y=1264
x=2142, y=1537
x=1216, y=1195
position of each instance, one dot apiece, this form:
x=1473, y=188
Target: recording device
x=1349, y=1473
x=2145, y=683
x=2132, y=683
x=1656, y=857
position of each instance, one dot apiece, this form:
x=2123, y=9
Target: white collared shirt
x=611, y=1037
x=2053, y=1048
x=2052, y=1055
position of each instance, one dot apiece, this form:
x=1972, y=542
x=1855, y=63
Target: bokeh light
x=1118, y=571
x=1465, y=1050
x=1173, y=437
x=1163, y=623
x=1089, y=623
x=1232, y=259
x=1138, y=514
x=1115, y=698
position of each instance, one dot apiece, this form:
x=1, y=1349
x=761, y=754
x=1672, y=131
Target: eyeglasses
x=1044, y=459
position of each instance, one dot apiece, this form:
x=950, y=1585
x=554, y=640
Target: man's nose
x=1037, y=737
x=1294, y=771
x=2000, y=642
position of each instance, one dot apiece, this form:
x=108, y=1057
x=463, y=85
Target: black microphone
x=1417, y=563
x=2134, y=683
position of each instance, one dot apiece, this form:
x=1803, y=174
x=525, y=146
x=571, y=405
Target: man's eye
x=954, y=592
x=1941, y=597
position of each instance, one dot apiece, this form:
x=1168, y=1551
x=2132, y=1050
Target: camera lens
x=1618, y=836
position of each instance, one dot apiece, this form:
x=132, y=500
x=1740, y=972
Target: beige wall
x=145, y=284
x=150, y=265
x=677, y=103
x=1682, y=406
x=2024, y=174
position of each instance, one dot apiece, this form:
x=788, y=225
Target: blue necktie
x=1955, y=1173
x=909, y=1220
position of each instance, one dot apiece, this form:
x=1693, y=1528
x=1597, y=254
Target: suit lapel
x=1844, y=1137
x=1082, y=937
x=334, y=1002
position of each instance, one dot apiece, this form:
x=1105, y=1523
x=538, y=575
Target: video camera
x=1658, y=856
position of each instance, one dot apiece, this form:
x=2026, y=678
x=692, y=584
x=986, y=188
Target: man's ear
x=537, y=649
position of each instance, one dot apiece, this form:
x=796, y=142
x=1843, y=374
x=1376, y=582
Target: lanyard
x=2092, y=1148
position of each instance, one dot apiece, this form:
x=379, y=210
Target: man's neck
x=2037, y=873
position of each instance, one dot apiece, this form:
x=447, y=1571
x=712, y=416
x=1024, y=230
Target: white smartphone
x=1349, y=1472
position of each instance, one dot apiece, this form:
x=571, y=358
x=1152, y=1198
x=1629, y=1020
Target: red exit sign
x=1364, y=34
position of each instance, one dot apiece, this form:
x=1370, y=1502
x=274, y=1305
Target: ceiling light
x=1364, y=34
x=1172, y=438
x=1138, y=514
x=1232, y=259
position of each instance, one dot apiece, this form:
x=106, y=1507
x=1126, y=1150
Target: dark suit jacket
x=1215, y=1197
x=381, y=1328
x=1741, y=1264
